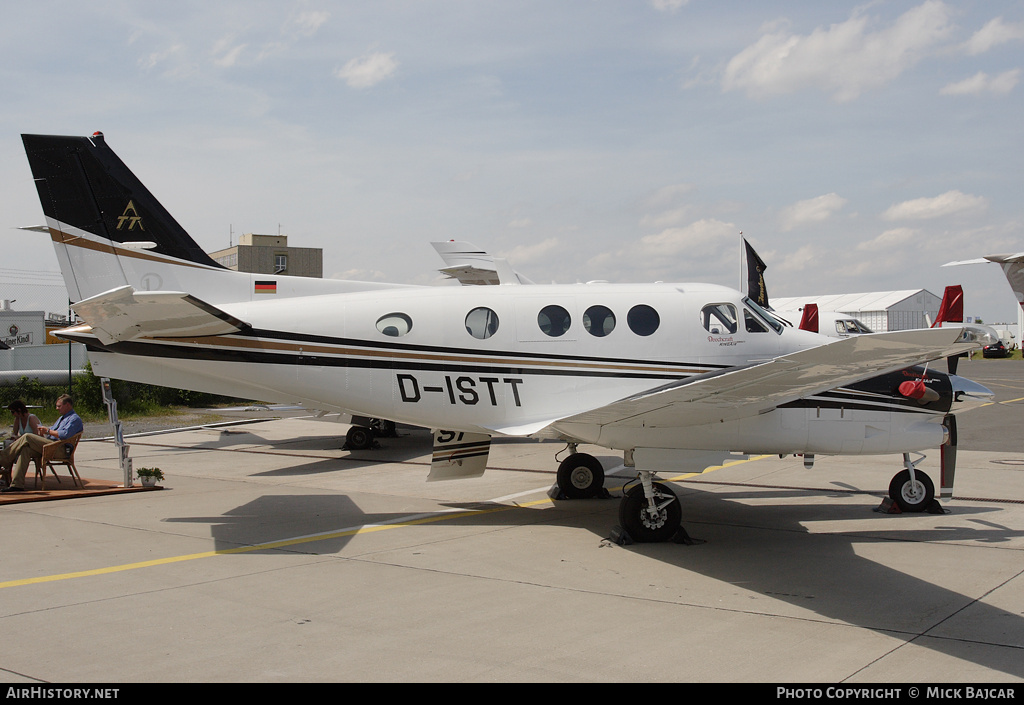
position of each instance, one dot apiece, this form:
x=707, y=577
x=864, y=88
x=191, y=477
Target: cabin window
x=482, y=323
x=553, y=320
x=394, y=324
x=719, y=319
x=643, y=320
x=599, y=321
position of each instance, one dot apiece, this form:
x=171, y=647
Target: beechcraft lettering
x=677, y=377
x=459, y=390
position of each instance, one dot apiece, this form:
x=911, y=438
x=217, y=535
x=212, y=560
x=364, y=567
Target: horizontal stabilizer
x=125, y=314
x=475, y=267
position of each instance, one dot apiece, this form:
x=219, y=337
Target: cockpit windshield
x=850, y=326
x=773, y=321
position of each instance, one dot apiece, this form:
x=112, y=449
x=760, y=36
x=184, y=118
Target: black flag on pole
x=756, y=288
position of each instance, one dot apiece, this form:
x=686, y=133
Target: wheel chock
x=555, y=492
x=888, y=507
x=936, y=508
x=620, y=536
x=681, y=536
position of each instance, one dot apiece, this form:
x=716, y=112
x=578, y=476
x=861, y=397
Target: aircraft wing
x=1000, y=259
x=759, y=388
x=124, y=313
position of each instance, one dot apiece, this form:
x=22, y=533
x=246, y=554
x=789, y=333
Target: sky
x=857, y=146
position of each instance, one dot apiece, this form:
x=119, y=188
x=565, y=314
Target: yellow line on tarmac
x=248, y=549
x=285, y=543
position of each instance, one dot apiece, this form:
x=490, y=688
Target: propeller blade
x=947, y=457
x=952, y=362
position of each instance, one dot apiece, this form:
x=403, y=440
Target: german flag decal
x=266, y=287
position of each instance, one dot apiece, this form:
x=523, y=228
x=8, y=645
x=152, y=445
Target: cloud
x=949, y=203
x=845, y=59
x=664, y=219
x=668, y=5
x=890, y=240
x=981, y=82
x=993, y=34
x=813, y=210
x=703, y=237
x=368, y=70
x=158, y=57
x=527, y=254
x=669, y=194
x=307, y=23
x=807, y=258
x=228, y=56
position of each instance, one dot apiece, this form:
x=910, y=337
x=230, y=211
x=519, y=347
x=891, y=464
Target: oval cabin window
x=394, y=324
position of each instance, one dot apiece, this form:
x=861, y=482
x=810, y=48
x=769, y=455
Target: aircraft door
x=734, y=333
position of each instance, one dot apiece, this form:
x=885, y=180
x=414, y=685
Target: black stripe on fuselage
x=163, y=349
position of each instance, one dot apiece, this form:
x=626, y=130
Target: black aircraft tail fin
x=83, y=184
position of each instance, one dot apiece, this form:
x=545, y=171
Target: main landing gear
x=366, y=430
x=580, y=476
x=649, y=511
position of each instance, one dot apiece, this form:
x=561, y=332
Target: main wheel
x=912, y=496
x=383, y=428
x=580, y=476
x=636, y=518
x=358, y=438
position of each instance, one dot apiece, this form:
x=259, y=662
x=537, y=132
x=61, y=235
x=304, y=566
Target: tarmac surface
x=271, y=554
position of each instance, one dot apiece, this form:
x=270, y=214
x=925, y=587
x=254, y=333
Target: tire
x=637, y=521
x=580, y=476
x=912, y=498
x=359, y=438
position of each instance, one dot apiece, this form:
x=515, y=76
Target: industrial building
x=270, y=254
x=879, y=310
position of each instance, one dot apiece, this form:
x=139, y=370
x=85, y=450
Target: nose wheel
x=911, y=489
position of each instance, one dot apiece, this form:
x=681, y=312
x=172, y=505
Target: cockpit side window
x=752, y=323
x=719, y=318
x=776, y=323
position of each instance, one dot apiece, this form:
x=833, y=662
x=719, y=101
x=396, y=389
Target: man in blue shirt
x=29, y=446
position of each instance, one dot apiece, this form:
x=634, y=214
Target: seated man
x=29, y=446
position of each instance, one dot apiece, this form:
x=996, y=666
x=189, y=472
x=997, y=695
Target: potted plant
x=150, y=476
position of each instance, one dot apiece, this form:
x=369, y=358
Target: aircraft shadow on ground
x=766, y=551
x=404, y=448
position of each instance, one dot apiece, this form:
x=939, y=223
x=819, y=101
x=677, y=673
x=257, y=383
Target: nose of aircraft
x=968, y=394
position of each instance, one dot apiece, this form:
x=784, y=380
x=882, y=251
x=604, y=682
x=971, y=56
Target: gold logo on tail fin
x=130, y=216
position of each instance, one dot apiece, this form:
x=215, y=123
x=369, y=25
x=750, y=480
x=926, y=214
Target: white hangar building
x=878, y=310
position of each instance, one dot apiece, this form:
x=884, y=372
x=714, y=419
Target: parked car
x=996, y=349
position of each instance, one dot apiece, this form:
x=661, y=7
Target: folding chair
x=49, y=459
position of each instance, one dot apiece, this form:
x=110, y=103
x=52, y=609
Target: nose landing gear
x=911, y=489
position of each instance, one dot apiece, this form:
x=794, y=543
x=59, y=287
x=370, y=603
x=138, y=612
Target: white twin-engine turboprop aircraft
x=677, y=376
